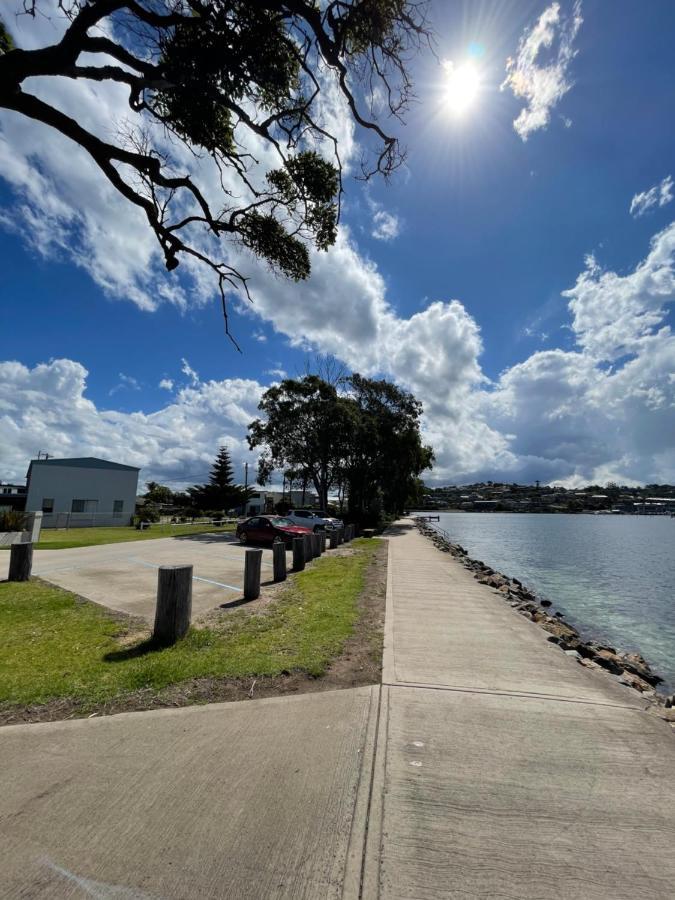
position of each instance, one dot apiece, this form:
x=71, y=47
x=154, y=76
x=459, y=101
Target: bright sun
x=461, y=87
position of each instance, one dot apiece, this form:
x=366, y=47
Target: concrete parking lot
x=124, y=576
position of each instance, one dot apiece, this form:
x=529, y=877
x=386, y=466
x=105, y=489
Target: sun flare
x=461, y=88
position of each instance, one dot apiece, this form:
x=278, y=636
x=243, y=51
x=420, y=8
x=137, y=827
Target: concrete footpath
x=487, y=765
x=504, y=769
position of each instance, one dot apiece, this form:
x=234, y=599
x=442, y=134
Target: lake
x=612, y=576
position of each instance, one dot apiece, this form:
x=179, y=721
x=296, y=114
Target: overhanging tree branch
x=206, y=72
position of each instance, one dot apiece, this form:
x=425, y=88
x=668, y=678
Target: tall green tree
x=386, y=453
x=303, y=430
x=242, y=82
x=220, y=492
x=365, y=439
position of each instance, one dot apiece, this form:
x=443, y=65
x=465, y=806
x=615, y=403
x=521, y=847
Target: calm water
x=612, y=576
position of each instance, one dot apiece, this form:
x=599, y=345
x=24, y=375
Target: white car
x=316, y=519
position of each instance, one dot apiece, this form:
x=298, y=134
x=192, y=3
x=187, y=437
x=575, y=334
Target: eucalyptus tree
x=240, y=82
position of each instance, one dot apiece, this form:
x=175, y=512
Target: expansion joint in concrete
x=524, y=695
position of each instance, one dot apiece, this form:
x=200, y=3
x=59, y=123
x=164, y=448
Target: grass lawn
x=56, y=646
x=64, y=539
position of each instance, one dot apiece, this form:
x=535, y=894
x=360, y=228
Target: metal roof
x=82, y=462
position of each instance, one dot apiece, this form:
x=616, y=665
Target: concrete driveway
x=124, y=576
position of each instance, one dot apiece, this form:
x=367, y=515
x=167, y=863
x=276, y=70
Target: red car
x=269, y=530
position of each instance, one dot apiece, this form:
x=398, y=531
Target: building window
x=47, y=504
x=118, y=507
x=84, y=506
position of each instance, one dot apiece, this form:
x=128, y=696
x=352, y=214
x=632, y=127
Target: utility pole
x=245, y=476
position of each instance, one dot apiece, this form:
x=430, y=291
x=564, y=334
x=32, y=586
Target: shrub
x=12, y=520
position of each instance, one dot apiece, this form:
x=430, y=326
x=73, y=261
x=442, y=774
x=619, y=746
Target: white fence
x=84, y=519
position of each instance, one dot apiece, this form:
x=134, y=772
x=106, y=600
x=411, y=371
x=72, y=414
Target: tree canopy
x=360, y=436
x=303, y=430
x=238, y=81
x=220, y=493
x=158, y=493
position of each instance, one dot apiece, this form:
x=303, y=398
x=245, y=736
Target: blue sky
x=462, y=302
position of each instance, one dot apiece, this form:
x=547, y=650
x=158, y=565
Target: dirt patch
x=360, y=663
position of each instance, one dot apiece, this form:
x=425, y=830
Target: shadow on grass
x=143, y=649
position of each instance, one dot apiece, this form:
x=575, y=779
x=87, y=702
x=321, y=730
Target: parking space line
x=229, y=587
x=232, y=555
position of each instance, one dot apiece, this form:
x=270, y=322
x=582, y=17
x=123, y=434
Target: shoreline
x=629, y=669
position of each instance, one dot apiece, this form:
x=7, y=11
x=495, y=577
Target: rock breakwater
x=630, y=669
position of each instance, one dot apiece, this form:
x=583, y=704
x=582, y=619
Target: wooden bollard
x=298, y=554
x=252, y=566
x=309, y=547
x=347, y=534
x=316, y=545
x=333, y=539
x=341, y=534
x=323, y=541
x=174, y=603
x=20, y=561
x=279, y=561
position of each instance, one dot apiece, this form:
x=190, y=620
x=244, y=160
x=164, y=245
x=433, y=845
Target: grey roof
x=82, y=462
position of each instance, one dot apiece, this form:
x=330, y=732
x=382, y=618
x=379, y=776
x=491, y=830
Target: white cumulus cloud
x=543, y=82
x=659, y=195
x=386, y=226
x=46, y=407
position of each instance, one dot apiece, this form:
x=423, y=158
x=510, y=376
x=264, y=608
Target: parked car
x=314, y=519
x=269, y=530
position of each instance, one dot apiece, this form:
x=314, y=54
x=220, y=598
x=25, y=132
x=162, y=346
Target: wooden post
x=309, y=547
x=298, y=554
x=347, y=534
x=333, y=538
x=252, y=574
x=341, y=534
x=323, y=541
x=20, y=561
x=316, y=545
x=174, y=603
x=279, y=561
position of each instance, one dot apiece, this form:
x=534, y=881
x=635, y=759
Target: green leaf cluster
x=6, y=42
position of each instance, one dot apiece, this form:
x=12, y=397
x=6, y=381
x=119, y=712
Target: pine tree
x=221, y=473
x=221, y=493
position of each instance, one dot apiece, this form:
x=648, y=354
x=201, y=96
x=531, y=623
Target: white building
x=81, y=492
x=264, y=501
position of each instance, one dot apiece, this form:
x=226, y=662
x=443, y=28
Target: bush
x=147, y=513
x=12, y=520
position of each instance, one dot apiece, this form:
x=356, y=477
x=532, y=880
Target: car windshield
x=281, y=521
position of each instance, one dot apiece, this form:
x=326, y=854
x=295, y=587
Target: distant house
x=12, y=496
x=81, y=492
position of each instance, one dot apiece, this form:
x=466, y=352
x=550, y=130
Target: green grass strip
x=54, y=646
